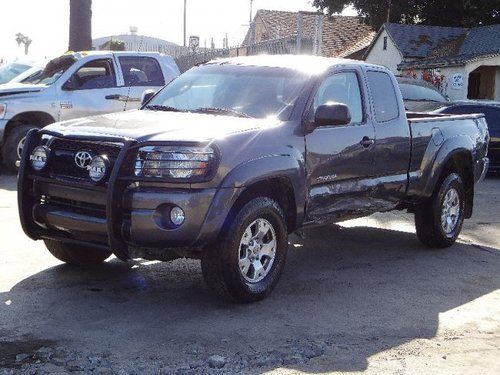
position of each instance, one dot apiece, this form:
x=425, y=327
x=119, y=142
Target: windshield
x=420, y=93
x=11, y=71
x=53, y=70
x=244, y=91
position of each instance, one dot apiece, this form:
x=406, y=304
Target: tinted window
x=141, y=71
x=384, y=97
x=420, y=93
x=341, y=88
x=97, y=74
x=492, y=115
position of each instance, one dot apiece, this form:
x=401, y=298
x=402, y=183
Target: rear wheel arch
x=461, y=163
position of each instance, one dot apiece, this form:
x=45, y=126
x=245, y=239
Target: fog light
x=39, y=158
x=177, y=216
x=98, y=168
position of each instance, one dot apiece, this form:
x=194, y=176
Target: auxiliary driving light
x=177, y=216
x=39, y=157
x=98, y=168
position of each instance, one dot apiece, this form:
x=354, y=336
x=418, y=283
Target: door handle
x=366, y=142
x=113, y=97
x=122, y=98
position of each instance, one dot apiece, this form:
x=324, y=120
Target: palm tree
x=80, y=25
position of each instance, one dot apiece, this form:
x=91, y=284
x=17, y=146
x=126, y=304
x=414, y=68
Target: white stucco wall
x=390, y=57
x=461, y=92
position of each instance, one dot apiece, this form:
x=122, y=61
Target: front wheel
x=77, y=255
x=245, y=264
x=439, y=221
x=13, y=146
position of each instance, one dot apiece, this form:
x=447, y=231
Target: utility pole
x=185, y=13
x=251, y=11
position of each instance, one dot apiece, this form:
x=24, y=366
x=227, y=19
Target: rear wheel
x=13, y=145
x=245, y=264
x=77, y=255
x=439, y=221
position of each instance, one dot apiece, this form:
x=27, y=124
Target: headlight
x=39, y=157
x=3, y=110
x=176, y=162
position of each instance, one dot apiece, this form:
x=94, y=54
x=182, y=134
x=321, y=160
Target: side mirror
x=146, y=96
x=69, y=85
x=332, y=113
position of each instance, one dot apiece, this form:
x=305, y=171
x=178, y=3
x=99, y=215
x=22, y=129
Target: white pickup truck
x=75, y=85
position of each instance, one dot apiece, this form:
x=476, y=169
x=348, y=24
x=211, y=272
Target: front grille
x=63, y=152
x=70, y=205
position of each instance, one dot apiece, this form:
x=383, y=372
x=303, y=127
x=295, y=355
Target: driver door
x=340, y=158
x=91, y=90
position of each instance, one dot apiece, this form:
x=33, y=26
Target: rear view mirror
x=147, y=95
x=332, y=113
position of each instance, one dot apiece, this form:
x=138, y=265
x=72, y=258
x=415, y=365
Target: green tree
x=80, y=25
x=465, y=13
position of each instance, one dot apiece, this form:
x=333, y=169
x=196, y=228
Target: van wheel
x=245, y=263
x=77, y=255
x=439, y=221
x=13, y=145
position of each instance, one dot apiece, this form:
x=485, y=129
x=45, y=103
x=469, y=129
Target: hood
x=13, y=88
x=146, y=125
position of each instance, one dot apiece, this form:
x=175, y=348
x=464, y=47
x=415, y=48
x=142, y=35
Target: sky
x=46, y=22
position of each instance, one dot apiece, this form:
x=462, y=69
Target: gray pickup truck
x=232, y=156
x=75, y=85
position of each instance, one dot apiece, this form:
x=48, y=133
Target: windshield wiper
x=166, y=108
x=228, y=111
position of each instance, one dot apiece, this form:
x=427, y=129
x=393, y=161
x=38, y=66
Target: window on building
x=385, y=43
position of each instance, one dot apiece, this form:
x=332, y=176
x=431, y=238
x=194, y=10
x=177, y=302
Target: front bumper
x=120, y=216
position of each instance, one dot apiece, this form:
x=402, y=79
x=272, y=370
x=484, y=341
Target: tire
x=11, y=145
x=238, y=244
x=430, y=227
x=77, y=255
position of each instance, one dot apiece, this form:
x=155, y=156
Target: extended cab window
x=141, y=71
x=97, y=74
x=341, y=88
x=384, y=97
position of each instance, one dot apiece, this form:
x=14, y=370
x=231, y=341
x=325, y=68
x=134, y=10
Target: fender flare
x=431, y=174
x=246, y=175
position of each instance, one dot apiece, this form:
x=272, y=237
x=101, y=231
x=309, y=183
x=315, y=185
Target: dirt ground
x=363, y=296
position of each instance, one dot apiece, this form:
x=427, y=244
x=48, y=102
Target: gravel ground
x=363, y=296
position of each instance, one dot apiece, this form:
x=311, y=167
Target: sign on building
x=457, y=81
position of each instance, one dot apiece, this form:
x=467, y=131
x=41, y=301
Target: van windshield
x=247, y=91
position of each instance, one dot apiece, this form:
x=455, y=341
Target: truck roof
x=305, y=63
x=82, y=54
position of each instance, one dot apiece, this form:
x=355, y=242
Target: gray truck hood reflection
x=149, y=125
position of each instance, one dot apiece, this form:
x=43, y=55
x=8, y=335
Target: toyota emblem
x=83, y=159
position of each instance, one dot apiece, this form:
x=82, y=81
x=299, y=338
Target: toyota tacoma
x=235, y=154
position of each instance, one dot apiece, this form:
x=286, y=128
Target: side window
x=141, y=71
x=384, y=97
x=97, y=74
x=341, y=88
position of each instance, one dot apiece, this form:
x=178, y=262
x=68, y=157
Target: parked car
x=491, y=111
x=227, y=160
x=420, y=96
x=76, y=85
x=10, y=71
x=32, y=74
